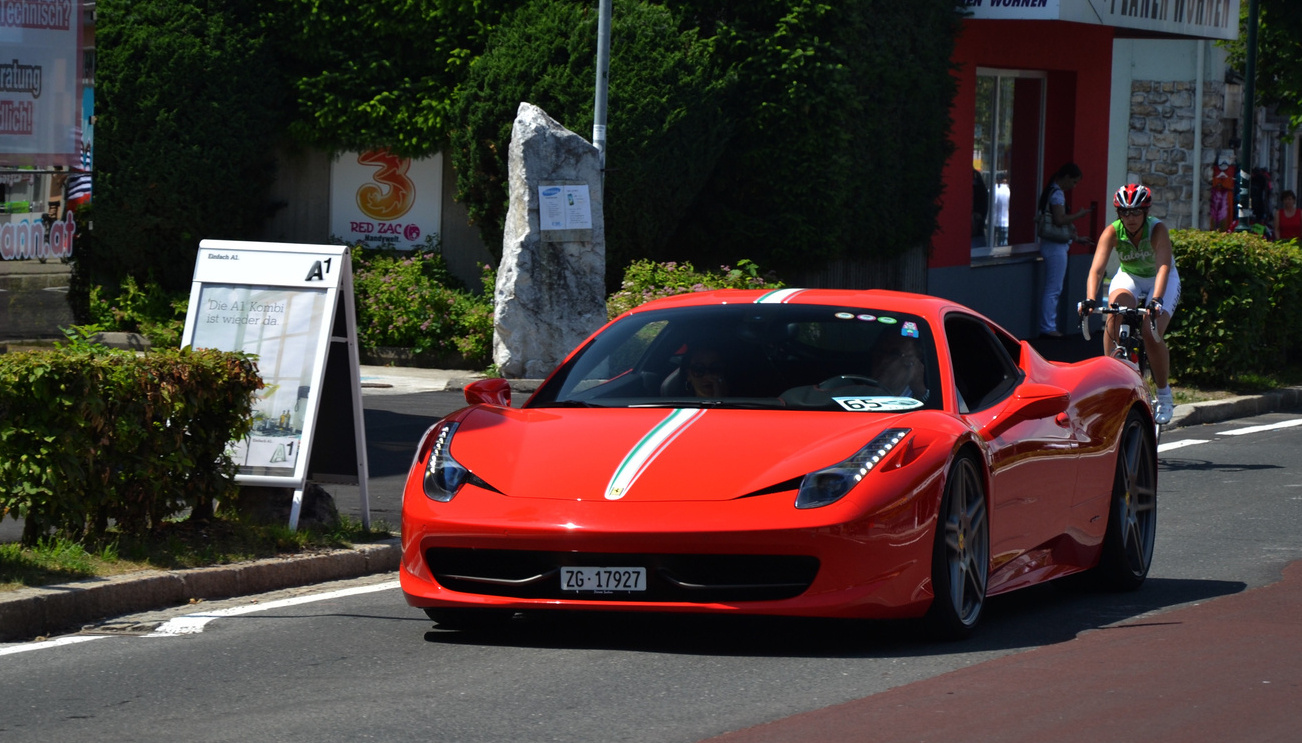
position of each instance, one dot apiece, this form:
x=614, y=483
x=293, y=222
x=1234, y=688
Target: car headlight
x=829, y=485
x=444, y=475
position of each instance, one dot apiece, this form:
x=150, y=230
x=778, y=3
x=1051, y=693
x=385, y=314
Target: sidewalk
x=33, y=299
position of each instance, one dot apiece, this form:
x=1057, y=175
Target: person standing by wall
x=1147, y=275
x=1001, y=210
x=1288, y=220
x=1053, y=199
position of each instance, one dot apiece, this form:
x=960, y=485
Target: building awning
x=1192, y=19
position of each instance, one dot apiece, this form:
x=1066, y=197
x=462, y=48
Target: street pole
x=603, y=82
x=1249, y=126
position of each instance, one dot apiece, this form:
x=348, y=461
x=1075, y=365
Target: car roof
x=916, y=304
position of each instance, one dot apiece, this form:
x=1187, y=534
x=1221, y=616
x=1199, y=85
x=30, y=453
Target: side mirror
x=489, y=392
x=1029, y=402
x=1032, y=401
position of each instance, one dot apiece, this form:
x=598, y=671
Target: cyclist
x=1147, y=273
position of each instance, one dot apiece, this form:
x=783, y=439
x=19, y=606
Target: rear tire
x=1132, y=514
x=960, y=560
x=469, y=619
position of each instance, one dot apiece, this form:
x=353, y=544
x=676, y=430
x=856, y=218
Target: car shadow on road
x=1173, y=464
x=1043, y=615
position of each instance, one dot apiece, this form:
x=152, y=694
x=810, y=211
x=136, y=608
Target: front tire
x=960, y=561
x=1132, y=515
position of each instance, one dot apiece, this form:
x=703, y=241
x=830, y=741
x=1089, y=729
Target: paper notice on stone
x=564, y=208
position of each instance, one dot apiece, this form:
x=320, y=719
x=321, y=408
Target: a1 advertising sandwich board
x=291, y=307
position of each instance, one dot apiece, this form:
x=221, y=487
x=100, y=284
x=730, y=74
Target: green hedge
x=411, y=300
x=647, y=280
x=89, y=435
x=1240, y=297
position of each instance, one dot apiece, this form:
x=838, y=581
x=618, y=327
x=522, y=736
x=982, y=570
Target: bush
x=1240, y=296
x=188, y=102
x=645, y=281
x=410, y=300
x=150, y=311
x=89, y=434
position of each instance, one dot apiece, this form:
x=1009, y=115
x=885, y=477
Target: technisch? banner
x=40, y=82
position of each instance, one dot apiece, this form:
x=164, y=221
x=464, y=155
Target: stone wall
x=1162, y=149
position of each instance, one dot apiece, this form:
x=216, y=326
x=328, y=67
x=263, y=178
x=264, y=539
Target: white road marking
x=191, y=624
x=1168, y=446
x=1259, y=429
x=47, y=644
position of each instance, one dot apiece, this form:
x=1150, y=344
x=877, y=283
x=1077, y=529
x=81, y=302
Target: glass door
x=1006, y=154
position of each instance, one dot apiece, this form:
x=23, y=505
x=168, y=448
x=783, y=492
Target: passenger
x=898, y=366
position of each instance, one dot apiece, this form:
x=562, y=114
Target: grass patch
x=174, y=546
x=1244, y=384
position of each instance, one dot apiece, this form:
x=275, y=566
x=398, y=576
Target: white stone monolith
x=551, y=291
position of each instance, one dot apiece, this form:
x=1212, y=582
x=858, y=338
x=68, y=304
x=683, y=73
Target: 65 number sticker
x=877, y=404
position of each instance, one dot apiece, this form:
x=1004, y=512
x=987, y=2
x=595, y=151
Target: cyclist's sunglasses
x=1130, y=212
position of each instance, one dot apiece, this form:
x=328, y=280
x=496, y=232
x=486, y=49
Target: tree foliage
x=797, y=130
x=379, y=73
x=666, y=124
x=186, y=117
x=843, y=130
x=786, y=131
x=1279, y=55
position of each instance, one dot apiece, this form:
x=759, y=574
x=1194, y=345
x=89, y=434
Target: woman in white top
x=1054, y=199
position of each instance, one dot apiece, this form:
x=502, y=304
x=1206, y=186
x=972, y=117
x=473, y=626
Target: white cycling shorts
x=1143, y=288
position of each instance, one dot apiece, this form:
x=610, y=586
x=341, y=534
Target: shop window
x=1007, y=153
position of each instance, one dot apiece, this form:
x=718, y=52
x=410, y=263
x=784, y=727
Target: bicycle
x=1130, y=344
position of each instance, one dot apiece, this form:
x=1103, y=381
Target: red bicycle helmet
x=1132, y=196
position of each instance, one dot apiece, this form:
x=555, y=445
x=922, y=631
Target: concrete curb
x=35, y=612
x=1243, y=406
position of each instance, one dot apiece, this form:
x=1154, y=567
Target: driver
x=706, y=373
x=898, y=367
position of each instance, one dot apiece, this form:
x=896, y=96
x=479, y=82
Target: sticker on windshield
x=845, y=315
x=877, y=404
x=867, y=318
x=887, y=320
x=910, y=329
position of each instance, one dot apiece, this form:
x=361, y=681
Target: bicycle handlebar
x=1113, y=309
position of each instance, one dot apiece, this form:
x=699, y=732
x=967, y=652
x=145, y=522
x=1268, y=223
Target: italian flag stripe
x=778, y=296
x=652, y=444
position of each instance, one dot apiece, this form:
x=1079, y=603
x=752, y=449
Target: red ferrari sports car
x=795, y=452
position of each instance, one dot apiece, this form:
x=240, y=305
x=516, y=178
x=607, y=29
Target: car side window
x=984, y=372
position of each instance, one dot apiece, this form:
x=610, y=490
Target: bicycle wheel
x=1150, y=384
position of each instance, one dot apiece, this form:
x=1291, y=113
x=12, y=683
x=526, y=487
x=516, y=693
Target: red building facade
x=1037, y=89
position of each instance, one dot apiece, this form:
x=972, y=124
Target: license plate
x=602, y=580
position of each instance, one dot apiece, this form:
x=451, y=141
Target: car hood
x=655, y=454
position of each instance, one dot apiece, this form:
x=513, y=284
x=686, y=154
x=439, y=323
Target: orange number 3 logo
x=373, y=199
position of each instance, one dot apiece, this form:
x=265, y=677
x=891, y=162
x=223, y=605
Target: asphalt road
x=394, y=425
x=362, y=665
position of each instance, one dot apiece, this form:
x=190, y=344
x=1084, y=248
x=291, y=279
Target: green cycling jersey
x=1136, y=251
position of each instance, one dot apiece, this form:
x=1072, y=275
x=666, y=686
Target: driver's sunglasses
x=1130, y=212
x=701, y=370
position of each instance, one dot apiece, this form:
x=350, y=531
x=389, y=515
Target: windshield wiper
x=569, y=404
x=733, y=404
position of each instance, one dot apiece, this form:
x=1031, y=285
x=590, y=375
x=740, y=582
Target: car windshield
x=788, y=356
